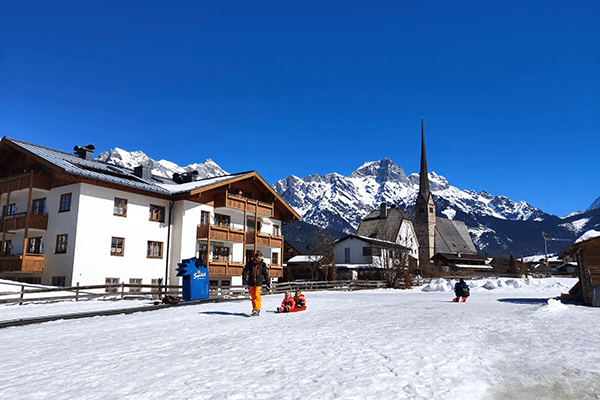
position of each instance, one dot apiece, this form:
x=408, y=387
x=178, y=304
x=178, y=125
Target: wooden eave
x=244, y=176
x=41, y=160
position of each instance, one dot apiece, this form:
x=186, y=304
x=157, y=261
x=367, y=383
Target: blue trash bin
x=195, y=279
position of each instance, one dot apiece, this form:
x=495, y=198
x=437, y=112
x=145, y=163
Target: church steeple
x=425, y=211
x=423, y=174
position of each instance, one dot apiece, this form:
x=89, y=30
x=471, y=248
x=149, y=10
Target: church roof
x=452, y=237
x=377, y=226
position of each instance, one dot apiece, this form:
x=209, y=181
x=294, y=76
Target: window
x=11, y=209
x=117, y=247
x=221, y=253
x=61, y=243
x=120, y=207
x=65, y=202
x=157, y=213
x=34, y=245
x=275, y=260
x=222, y=220
x=7, y=246
x=204, y=218
x=58, y=281
x=111, y=281
x=367, y=251
x=38, y=206
x=155, y=249
x=135, y=281
x=276, y=230
x=203, y=252
x=347, y=254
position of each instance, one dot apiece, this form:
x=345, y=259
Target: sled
x=292, y=310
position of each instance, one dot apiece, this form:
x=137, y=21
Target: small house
x=587, y=255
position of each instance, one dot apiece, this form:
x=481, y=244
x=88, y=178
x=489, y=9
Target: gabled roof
x=371, y=241
x=452, y=237
x=383, y=228
x=71, y=164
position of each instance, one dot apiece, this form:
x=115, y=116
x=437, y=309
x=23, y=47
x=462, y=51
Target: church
x=444, y=244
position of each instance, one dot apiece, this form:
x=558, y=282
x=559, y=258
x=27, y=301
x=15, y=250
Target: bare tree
x=323, y=246
x=395, y=263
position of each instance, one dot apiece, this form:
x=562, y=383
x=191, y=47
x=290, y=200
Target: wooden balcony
x=228, y=268
x=19, y=222
x=216, y=232
x=264, y=240
x=224, y=268
x=21, y=182
x=22, y=263
x=240, y=202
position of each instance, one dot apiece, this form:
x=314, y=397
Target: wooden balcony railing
x=229, y=268
x=22, y=263
x=19, y=221
x=265, y=240
x=239, y=202
x=217, y=232
x=21, y=182
x=224, y=268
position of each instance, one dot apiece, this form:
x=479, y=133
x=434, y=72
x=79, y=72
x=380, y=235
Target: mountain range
x=497, y=224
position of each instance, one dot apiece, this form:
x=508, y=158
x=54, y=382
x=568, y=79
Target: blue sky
x=509, y=90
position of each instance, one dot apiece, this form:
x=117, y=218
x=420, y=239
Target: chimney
x=383, y=210
x=143, y=171
x=85, y=152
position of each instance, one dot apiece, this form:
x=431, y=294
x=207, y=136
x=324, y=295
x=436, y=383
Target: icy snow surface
x=510, y=340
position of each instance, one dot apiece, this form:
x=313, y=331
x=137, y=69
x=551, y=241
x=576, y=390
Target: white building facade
x=69, y=220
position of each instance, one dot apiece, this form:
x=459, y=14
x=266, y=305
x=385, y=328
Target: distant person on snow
x=287, y=304
x=461, y=290
x=255, y=275
x=299, y=300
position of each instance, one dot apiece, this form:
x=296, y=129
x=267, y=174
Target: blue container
x=195, y=279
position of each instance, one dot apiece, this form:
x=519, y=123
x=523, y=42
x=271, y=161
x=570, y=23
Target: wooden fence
x=123, y=291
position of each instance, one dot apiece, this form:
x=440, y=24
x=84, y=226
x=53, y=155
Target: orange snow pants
x=255, y=296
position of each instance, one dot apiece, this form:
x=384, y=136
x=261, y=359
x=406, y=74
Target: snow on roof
x=304, y=259
x=101, y=171
x=588, y=235
x=175, y=188
x=473, y=266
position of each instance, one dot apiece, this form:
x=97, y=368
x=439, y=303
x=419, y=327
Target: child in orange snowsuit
x=287, y=304
x=299, y=300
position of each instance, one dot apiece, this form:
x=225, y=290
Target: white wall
x=356, y=252
x=96, y=226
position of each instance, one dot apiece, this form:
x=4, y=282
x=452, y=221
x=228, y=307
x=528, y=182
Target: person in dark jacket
x=255, y=275
x=461, y=290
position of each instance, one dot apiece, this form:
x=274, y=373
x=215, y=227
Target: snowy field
x=510, y=340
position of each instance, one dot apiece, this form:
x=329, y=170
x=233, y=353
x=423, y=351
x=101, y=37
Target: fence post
x=122, y=290
x=22, y=294
x=77, y=292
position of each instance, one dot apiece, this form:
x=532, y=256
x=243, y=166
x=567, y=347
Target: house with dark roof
x=68, y=219
x=361, y=257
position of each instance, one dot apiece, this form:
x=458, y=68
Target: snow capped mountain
x=595, y=205
x=162, y=168
x=340, y=202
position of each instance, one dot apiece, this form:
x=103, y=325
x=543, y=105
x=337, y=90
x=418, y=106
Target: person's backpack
x=465, y=291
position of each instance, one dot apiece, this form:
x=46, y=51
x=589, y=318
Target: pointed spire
x=423, y=177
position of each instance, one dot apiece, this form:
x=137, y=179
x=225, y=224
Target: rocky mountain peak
x=382, y=170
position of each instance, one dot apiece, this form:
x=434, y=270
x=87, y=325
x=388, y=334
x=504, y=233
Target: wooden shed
x=587, y=255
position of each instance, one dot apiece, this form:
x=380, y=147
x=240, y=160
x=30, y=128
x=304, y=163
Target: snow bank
x=443, y=285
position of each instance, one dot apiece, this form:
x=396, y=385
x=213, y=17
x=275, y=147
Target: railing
x=239, y=202
x=16, y=222
x=123, y=291
x=217, y=232
x=28, y=262
x=326, y=285
x=263, y=239
x=21, y=182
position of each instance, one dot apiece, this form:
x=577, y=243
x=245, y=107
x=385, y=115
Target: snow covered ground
x=511, y=340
